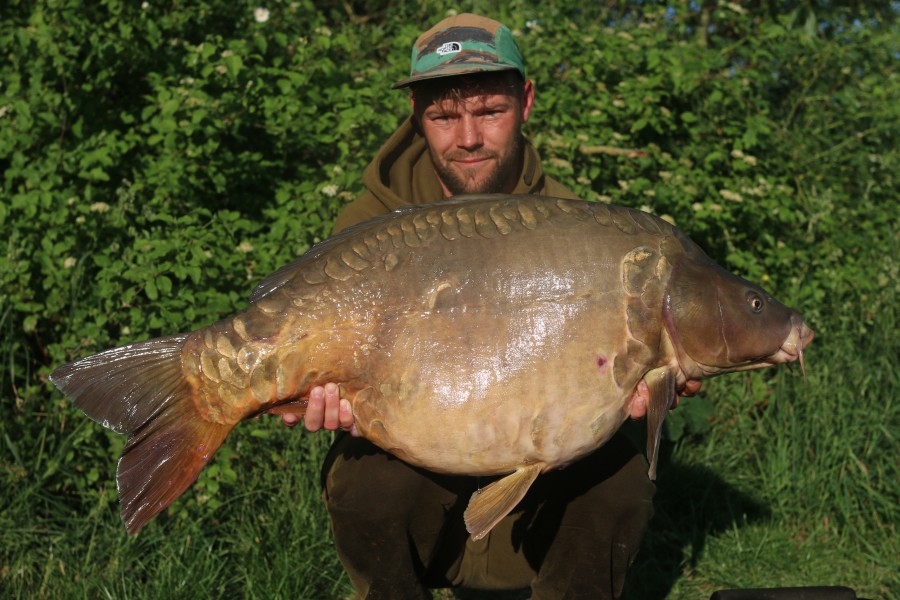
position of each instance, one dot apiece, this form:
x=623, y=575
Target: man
x=398, y=529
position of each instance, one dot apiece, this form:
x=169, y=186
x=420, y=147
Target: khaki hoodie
x=402, y=174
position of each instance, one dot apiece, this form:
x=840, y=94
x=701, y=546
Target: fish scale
x=487, y=335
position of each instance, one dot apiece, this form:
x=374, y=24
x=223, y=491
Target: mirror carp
x=483, y=335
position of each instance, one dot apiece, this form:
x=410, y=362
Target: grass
x=793, y=484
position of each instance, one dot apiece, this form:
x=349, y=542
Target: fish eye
x=756, y=302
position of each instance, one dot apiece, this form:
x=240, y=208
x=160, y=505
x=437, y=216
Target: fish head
x=719, y=322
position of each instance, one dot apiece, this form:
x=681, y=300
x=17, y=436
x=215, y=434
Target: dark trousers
x=399, y=529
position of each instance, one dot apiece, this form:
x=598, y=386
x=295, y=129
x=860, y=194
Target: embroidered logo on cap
x=449, y=48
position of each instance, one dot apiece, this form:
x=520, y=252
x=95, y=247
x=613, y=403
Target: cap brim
x=452, y=71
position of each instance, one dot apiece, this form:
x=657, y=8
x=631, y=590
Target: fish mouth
x=792, y=348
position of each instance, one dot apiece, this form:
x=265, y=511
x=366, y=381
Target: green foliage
x=776, y=154
x=158, y=159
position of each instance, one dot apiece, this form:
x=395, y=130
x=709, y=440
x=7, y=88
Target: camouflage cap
x=463, y=44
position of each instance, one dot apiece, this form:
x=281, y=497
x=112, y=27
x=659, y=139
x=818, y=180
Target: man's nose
x=468, y=133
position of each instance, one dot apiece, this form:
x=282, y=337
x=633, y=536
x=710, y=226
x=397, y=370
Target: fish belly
x=489, y=388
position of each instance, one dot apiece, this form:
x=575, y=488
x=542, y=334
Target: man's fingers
x=325, y=408
x=345, y=414
x=639, y=400
x=332, y=406
x=691, y=387
x=315, y=409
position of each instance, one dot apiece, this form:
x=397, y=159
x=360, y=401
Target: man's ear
x=416, y=121
x=527, y=100
x=415, y=117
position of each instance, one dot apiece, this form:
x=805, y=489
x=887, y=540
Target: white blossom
x=729, y=195
x=261, y=15
x=69, y=262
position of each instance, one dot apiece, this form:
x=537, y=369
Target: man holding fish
x=507, y=336
x=399, y=529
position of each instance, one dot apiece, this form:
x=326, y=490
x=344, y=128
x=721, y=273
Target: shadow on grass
x=692, y=503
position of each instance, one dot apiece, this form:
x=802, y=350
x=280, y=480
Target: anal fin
x=487, y=507
x=661, y=383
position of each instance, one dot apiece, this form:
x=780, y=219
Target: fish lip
x=799, y=338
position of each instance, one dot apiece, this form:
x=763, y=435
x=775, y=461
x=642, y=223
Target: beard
x=500, y=179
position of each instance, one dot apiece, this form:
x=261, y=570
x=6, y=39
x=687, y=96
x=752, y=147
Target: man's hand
x=691, y=387
x=325, y=409
x=641, y=397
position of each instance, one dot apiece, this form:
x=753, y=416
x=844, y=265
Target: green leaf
x=151, y=290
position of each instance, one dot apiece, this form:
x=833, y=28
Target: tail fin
x=140, y=390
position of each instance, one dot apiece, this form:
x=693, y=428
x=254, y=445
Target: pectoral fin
x=662, y=390
x=488, y=506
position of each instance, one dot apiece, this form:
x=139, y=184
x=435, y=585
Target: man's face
x=476, y=142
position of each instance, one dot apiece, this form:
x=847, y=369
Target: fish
x=480, y=335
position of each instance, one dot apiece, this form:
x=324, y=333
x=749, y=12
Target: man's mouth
x=471, y=161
